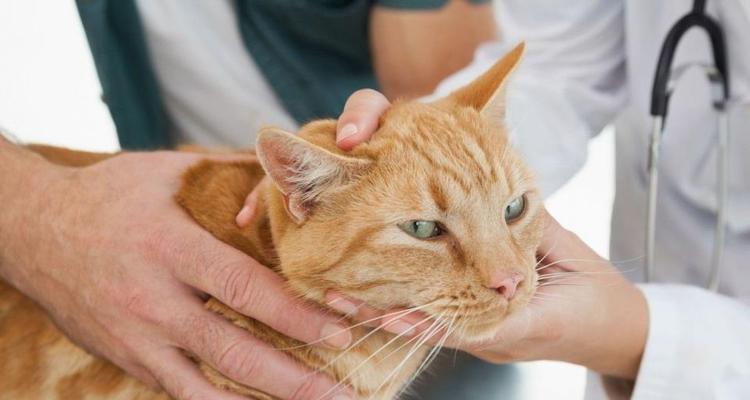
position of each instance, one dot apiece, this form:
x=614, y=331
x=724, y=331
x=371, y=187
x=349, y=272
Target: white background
x=49, y=93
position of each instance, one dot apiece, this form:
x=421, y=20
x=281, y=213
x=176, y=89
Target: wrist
x=613, y=344
x=27, y=179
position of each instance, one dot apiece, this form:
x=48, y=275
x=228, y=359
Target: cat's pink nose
x=506, y=284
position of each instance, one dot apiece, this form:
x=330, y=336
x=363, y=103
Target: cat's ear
x=486, y=94
x=303, y=171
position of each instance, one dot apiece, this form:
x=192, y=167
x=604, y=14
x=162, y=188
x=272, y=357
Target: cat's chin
x=478, y=332
x=486, y=326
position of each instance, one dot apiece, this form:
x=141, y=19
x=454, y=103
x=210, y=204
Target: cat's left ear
x=303, y=171
x=486, y=94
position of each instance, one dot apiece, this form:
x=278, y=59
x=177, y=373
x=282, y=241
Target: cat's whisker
x=578, y=273
x=615, y=263
x=426, y=337
x=558, y=283
x=365, y=337
x=421, y=339
x=434, y=351
x=550, y=297
x=395, y=314
x=541, y=259
x=451, y=328
x=375, y=353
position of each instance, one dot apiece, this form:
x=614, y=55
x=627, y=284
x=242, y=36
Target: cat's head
x=436, y=211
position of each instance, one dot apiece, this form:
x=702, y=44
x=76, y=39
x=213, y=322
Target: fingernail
x=243, y=215
x=336, y=336
x=348, y=130
x=343, y=306
x=400, y=328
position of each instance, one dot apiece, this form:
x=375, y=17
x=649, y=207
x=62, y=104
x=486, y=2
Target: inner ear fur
x=303, y=171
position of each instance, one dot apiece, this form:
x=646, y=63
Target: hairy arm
x=66, y=232
x=414, y=49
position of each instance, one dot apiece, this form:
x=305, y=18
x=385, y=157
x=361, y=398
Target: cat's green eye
x=421, y=229
x=515, y=208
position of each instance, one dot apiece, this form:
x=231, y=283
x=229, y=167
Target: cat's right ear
x=303, y=171
x=486, y=93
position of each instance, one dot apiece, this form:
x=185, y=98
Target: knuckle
x=187, y=393
x=308, y=389
x=362, y=97
x=367, y=93
x=238, y=361
x=237, y=285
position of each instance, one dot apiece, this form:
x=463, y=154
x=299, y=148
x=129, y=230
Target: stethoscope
x=665, y=81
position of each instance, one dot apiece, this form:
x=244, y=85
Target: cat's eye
x=421, y=229
x=515, y=208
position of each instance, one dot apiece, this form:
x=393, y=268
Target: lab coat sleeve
x=569, y=85
x=698, y=345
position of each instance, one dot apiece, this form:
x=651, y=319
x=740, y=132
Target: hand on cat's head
x=356, y=125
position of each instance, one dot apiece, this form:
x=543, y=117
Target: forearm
x=413, y=50
x=23, y=174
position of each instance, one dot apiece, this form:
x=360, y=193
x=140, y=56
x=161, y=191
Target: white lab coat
x=590, y=63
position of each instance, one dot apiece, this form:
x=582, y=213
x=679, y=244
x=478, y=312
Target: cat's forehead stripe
x=445, y=169
x=438, y=195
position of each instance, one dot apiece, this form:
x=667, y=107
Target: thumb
x=360, y=118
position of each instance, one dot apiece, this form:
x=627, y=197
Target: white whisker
x=366, y=360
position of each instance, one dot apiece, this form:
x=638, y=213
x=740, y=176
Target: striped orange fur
x=331, y=222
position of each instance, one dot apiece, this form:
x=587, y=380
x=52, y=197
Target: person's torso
x=212, y=89
x=687, y=197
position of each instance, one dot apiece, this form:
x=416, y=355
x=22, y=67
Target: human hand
x=583, y=312
x=124, y=272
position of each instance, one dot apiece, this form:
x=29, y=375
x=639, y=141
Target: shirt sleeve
x=698, y=345
x=569, y=85
x=419, y=4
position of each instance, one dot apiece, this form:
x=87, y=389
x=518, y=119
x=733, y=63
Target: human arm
x=417, y=43
x=122, y=270
x=698, y=345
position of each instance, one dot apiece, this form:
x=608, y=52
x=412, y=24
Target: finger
x=181, y=378
x=360, y=118
x=253, y=290
x=243, y=358
x=398, y=321
x=249, y=210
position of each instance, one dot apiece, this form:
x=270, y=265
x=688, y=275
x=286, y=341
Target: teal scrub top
x=313, y=53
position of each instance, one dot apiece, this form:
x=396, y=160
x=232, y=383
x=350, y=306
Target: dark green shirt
x=313, y=53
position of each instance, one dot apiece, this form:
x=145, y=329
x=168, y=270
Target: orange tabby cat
x=436, y=213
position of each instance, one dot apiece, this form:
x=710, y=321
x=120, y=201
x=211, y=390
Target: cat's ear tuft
x=486, y=94
x=303, y=171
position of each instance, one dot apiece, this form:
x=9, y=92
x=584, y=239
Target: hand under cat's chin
x=476, y=329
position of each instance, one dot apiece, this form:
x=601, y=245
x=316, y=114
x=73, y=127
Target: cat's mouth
x=477, y=321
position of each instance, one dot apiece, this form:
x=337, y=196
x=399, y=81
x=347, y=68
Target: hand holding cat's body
x=118, y=265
